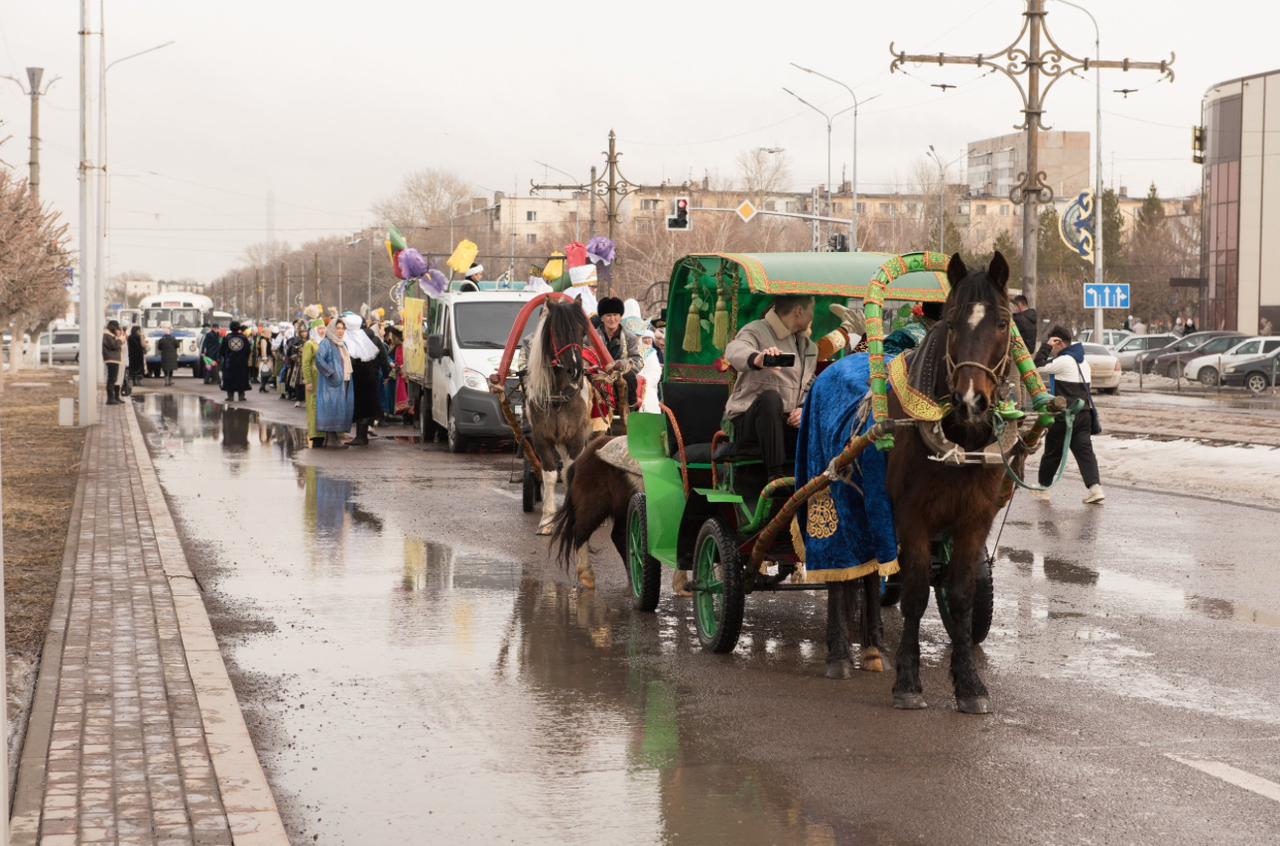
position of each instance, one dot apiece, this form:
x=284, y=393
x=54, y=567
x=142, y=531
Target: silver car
x=65, y=344
x=1135, y=345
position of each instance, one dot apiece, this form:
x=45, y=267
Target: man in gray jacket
x=768, y=396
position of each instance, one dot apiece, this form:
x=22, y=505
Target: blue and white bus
x=186, y=313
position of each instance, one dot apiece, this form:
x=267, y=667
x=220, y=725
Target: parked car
x=1134, y=346
x=1170, y=360
x=65, y=344
x=1206, y=368
x=1110, y=337
x=1104, y=369
x=1256, y=373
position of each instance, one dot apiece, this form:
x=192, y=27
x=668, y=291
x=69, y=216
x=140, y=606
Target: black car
x=1256, y=374
x=1170, y=360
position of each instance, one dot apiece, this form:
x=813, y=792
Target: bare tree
x=427, y=197
x=33, y=261
x=763, y=172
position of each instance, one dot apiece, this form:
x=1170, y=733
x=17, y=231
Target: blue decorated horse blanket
x=848, y=528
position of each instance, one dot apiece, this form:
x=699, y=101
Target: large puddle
x=417, y=691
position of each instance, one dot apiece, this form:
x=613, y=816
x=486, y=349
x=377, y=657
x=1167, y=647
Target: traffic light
x=838, y=243
x=681, y=218
x=1197, y=144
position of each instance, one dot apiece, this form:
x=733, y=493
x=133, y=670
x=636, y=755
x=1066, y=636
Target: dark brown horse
x=557, y=397
x=595, y=491
x=932, y=500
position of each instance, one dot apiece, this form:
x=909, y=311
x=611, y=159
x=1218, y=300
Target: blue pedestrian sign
x=1107, y=295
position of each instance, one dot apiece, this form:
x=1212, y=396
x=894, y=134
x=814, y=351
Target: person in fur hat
x=622, y=344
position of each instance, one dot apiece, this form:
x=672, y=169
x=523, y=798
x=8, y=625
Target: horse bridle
x=998, y=375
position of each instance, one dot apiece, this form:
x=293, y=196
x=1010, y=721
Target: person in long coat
x=311, y=379
x=137, y=355
x=234, y=355
x=167, y=346
x=335, y=399
x=368, y=361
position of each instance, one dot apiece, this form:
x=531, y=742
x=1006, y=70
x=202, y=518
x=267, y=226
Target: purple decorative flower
x=601, y=250
x=433, y=283
x=412, y=264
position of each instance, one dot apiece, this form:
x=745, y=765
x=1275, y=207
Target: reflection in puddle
x=410, y=685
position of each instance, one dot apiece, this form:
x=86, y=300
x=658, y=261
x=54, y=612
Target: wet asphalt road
x=416, y=671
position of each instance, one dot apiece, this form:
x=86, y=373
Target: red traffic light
x=680, y=221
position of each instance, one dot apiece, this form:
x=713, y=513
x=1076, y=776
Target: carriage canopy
x=712, y=295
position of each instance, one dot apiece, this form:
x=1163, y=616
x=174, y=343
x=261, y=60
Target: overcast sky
x=329, y=104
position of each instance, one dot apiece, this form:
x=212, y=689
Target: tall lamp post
x=828, y=118
x=1097, y=162
x=942, y=196
x=104, y=179
x=853, y=185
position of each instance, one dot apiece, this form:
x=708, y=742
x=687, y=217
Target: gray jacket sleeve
x=741, y=349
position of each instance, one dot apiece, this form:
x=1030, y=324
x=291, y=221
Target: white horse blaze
x=976, y=312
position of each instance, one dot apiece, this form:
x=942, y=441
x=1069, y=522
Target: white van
x=466, y=333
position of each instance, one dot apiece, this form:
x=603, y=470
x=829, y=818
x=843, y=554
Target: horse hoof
x=872, y=662
x=587, y=582
x=973, y=704
x=839, y=670
x=909, y=701
x=544, y=529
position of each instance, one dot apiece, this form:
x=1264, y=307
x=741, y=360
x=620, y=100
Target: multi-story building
x=1240, y=128
x=995, y=163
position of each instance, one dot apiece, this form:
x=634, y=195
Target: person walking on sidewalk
x=311, y=379
x=209, y=348
x=137, y=355
x=1069, y=375
x=234, y=356
x=335, y=399
x=167, y=346
x=368, y=361
x=111, y=357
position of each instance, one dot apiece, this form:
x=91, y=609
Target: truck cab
x=464, y=333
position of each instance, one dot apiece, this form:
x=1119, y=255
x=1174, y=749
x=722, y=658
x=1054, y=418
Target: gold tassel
x=693, y=331
x=720, y=335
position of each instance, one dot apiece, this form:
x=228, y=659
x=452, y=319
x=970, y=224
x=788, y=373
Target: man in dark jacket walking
x=167, y=347
x=209, y=348
x=1024, y=317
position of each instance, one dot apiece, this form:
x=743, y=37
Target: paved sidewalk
x=135, y=735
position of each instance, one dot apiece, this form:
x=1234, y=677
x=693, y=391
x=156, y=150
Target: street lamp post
x=853, y=184
x=1097, y=164
x=828, y=118
x=104, y=180
x=942, y=196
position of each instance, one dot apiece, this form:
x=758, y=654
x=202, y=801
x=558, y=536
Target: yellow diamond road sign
x=746, y=211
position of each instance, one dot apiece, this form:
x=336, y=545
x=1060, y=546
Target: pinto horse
x=932, y=499
x=557, y=396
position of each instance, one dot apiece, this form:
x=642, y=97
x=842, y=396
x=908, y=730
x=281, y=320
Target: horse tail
x=564, y=526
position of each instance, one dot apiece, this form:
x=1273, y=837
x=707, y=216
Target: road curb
x=246, y=797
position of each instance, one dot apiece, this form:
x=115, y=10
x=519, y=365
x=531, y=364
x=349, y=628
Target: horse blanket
x=848, y=528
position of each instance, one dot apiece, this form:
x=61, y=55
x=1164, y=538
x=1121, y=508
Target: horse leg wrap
x=586, y=575
x=548, y=501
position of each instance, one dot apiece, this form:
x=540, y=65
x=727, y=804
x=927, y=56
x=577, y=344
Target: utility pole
x=288, y=289
x=90, y=346
x=35, y=92
x=339, y=283
x=315, y=272
x=275, y=291
x=1030, y=61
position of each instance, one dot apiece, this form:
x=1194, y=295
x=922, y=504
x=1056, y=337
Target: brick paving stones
x=136, y=735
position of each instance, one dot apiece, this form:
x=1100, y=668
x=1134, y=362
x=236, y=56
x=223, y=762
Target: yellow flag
x=463, y=256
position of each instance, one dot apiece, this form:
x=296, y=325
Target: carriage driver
x=623, y=346
x=768, y=397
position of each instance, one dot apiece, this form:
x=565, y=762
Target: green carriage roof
x=831, y=275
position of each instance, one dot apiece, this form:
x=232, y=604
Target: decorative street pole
x=828, y=118
x=1030, y=61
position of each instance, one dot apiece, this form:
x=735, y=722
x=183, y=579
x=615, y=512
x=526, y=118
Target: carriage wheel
x=718, y=596
x=984, y=597
x=643, y=570
x=529, y=489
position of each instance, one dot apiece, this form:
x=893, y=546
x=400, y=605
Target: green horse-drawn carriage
x=709, y=509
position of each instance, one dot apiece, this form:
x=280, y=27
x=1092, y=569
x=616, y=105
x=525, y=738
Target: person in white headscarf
x=651, y=372
x=368, y=361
